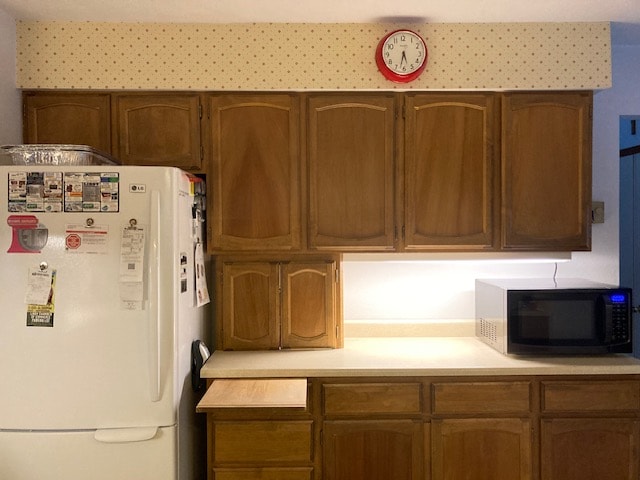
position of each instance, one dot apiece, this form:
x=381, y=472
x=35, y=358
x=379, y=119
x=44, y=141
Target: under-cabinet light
x=433, y=257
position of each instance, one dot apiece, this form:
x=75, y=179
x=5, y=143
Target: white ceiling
x=624, y=13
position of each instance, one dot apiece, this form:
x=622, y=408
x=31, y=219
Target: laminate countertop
x=406, y=356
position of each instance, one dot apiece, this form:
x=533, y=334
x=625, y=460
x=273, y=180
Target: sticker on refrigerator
x=132, y=246
x=35, y=192
x=91, y=192
x=40, y=297
x=40, y=191
x=28, y=235
x=88, y=238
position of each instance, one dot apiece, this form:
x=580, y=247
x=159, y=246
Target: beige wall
x=10, y=105
x=504, y=56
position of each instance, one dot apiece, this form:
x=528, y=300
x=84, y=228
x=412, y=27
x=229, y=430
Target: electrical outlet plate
x=597, y=212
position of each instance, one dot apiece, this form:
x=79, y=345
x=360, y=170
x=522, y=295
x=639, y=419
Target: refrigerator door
x=79, y=456
x=101, y=362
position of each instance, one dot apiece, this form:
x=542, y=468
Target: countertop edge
x=407, y=357
x=426, y=372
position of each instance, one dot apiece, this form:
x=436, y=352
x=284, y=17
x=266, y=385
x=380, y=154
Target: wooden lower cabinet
x=590, y=429
x=278, y=449
x=262, y=442
x=481, y=449
x=590, y=448
x=438, y=428
x=482, y=430
x=372, y=450
x=263, y=473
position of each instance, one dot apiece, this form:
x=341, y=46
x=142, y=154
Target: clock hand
x=404, y=57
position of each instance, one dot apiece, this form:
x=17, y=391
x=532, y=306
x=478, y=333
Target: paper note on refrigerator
x=38, y=286
x=132, y=254
x=202, y=292
x=132, y=244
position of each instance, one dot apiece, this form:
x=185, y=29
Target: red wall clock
x=401, y=56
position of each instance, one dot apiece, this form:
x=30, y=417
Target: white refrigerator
x=101, y=296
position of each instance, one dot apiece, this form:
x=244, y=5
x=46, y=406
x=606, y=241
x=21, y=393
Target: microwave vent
x=488, y=330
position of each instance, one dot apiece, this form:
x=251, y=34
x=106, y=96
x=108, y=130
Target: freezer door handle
x=155, y=310
x=125, y=435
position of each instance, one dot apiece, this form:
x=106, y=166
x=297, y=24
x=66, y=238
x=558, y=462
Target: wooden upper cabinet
x=68, y=118
x=350, y=141
x=449, y=171
x=269, y=305
x=546, y=171
x=250, y=306
x=158, y=129
x=309, y=307
x=254, y=190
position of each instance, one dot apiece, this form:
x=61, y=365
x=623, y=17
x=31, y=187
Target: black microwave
x=553, y=316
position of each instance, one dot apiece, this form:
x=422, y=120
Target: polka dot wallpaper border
x=266, y=56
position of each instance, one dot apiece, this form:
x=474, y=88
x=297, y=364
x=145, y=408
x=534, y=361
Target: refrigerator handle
x=155, y=311
x=125, y=435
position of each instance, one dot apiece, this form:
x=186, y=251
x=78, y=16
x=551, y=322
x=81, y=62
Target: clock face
x=401, y=56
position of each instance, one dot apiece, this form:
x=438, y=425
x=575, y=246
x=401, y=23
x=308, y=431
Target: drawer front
x=372, y=398
x=264, y=443
x=303, y=473
x=481, y=397
x=590, y=396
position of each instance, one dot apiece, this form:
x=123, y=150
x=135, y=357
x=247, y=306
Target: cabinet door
x=373, y=450
x=250, y=308
x=255, y=185
x=546, y=171
x=263, y=473
x=449, y=172
x=262, y=443
x=309, y=305
x=590, y=449
x=481, y=449
x=68, y=118
x=159, y=129
x=351, y=164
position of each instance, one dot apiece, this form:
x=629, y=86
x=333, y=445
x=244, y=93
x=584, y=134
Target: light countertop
x=406, y=356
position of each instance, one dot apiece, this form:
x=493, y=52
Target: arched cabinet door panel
x=351, y=147
x=546, y=171
x=255, y=184
x=70, y=118
x=159, y=129
x=450, y=194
